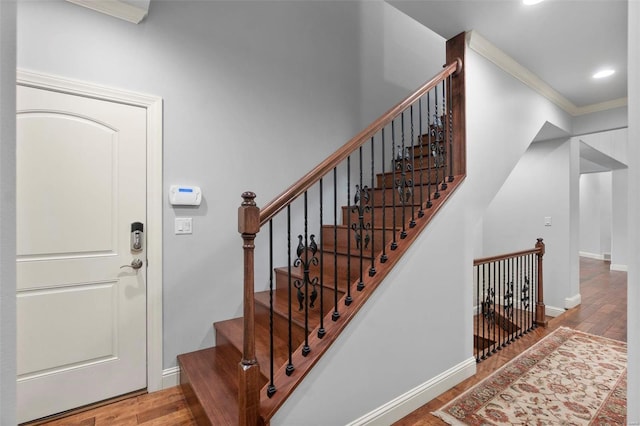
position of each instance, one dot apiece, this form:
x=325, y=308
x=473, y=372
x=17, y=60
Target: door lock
x=137, y=230
x=135, y=264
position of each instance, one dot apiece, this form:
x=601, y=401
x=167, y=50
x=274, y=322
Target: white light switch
x=547, y=221
x=183, y=225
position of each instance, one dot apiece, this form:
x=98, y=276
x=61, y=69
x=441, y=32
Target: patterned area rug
x=567, y=378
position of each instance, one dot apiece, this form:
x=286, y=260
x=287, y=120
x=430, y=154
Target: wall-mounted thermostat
x=181, y=195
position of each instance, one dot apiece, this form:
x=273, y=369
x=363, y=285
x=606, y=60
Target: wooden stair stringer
x=285, y=385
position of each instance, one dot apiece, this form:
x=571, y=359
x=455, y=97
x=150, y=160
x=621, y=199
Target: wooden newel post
x=541, y=315
x=248, y=370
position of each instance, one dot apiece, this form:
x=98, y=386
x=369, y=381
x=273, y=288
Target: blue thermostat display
x=183, y=195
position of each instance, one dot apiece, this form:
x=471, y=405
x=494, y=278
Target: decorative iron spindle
x=348, y=300
x=434, y=147
x=271, y=389
x=429, y=142
x=290, y=368
x=421, y=209
x=394, y=242
x=443, y=186
x=403, y=184
x=372, y=268
x=305, y=300
x=321, y=329
x=336, y=313
x=450, y=132
x=383, y=256
x=412, y=222
x=361, y=229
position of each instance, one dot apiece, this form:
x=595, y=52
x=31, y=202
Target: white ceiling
x=561, y=41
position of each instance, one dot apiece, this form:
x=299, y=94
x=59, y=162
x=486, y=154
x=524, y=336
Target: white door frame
x=153, y=231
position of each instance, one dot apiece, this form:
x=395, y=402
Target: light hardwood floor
x=603, y=312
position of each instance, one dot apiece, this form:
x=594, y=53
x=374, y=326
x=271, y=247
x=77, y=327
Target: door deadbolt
x=137, y=230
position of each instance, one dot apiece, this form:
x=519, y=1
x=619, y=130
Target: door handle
x=135, y=264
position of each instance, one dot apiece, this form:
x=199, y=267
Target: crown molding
x=488, y=50
x=133, y=11
x=602, y=106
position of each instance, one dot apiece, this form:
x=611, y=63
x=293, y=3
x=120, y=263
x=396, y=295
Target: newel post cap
x=540, y=246
x=248, y=214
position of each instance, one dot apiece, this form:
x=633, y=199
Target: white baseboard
x=399, y=407
x=170, y=377
x=573, y=301
x=617, y=267
x=553, y=311
x=592, y=255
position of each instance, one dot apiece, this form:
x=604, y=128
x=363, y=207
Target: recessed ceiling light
x=604, y=73
x=531, y=2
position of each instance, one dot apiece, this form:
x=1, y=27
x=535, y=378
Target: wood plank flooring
x=603, y=312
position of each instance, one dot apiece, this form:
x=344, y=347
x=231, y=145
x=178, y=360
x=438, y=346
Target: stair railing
x=509, y=298
x=369, y=200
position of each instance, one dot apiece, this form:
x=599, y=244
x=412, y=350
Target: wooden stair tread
x=209, y=380
x=232, y=330
x=281, y=306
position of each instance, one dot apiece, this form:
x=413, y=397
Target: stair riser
x=329, y=267
x=380, y=219
x=432, y=176
x=280, y=324
x=392, y=195
x=344, y=235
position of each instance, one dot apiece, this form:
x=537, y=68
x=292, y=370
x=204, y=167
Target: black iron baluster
x=348, y=299
x=429, y=142
x=420, y=210
x=383, y=257
x=500, y=315
x=336, y=314
x=271, y=389
x=394, y=242
x=443, y=153
x=514, y=278
x=450, y=104
x=321, y=330
x=401, y=183
x=360, y=229
x=434, y=147
x=305, y=299
x=495, y=316
x=290, y=368
x=477, y=315
x=412, y=160
x=482, y=311
x=372, y=269
x=508, y=303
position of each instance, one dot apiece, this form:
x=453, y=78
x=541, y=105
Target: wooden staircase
x=209, y=376
x=259, y=359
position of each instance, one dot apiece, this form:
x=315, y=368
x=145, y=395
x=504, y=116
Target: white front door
x=81, y=183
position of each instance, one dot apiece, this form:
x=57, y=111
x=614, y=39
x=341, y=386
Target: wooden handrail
x=277, y=204
x=505, y=256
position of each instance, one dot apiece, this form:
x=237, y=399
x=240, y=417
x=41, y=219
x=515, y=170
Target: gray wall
x=7, y=213
x=538, y=187
x=255, y=94
x=430, y=291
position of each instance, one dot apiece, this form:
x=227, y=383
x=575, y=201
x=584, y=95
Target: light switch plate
x=183, y=225
x=547, y=221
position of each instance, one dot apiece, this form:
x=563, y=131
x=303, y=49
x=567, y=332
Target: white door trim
x=153, y=231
